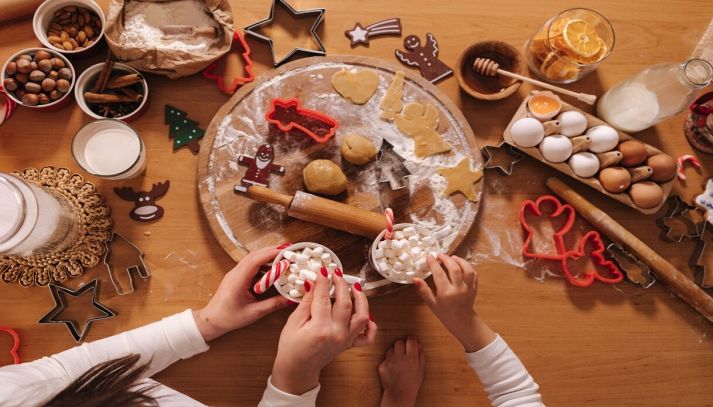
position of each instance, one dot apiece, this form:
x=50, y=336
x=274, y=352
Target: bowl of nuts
x=72, y=27
x=38, y=78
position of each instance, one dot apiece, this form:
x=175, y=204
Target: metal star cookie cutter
x=58, y=292
x=637, y=271
x=138, y=266
x=667, y=224
x=506, y=170
x=317, y=13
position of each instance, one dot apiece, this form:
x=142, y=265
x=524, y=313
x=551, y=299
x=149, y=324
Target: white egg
x=584, y=165
x=604, y=138
x=527, y=132
x=572, y=123
x=556, y=148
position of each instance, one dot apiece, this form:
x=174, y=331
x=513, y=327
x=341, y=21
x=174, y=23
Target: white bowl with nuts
x=38, y=78
x=72, y=27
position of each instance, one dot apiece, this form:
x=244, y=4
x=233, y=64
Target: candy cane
x=7, y=108
x=682, y=160
x=269, y=278
x=389, y=224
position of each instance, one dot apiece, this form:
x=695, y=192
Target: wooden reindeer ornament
x=145, y=208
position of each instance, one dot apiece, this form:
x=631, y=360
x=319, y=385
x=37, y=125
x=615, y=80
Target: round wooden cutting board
x=241, y=224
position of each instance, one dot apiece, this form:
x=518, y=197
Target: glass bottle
x=654, y=94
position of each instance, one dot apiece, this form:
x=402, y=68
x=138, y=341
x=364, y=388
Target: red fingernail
x=338, y=272
x=324, y=271
x=284, y=246
x=357, y=286
x=308, y=286
x=291, y=303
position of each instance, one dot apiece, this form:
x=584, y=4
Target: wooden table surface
x=599, y=346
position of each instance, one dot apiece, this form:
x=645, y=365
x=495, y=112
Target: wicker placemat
x=86, y=252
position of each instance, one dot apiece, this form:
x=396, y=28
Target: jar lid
x=698, y=71
x=12, y=208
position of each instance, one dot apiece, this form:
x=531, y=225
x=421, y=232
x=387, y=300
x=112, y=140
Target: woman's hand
x=233, y=306
x=318, y=331
x=454, y=299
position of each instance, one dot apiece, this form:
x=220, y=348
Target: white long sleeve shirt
x=177, y=337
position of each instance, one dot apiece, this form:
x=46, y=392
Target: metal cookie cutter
x=489, y=152
x=697, y=256
x=77, y=332
x=670, y=225
x=390, y=167
x=637, y=271
x=133, y=265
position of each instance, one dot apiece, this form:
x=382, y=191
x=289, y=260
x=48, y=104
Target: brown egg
x=615, y=179
x=646, y=194
x=664, y=167
x=634, y=153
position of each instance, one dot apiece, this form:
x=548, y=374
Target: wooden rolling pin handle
x=267, y=195
x=665, y=271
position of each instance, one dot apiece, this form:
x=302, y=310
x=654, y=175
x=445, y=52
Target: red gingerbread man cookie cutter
x=14, y=351
x=238, y=81
x=288, y=115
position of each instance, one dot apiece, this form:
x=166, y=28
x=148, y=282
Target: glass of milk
x=33, y=219
x=654, y=94
x=109, y=149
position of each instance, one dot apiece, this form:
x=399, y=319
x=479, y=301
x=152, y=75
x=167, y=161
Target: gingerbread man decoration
x=259, y=168
x=424, y=57
x=420, y=121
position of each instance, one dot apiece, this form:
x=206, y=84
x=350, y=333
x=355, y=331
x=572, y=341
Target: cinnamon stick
x=132, y=93
x=91, y=97
x=124, y=80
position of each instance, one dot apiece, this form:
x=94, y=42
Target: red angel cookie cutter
x=558, y=236
x=16, y=343
x=597, y=255
x=288, y=115
x=209, y=72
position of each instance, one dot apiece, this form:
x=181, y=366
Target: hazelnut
x=42, y=55
x=63, y=85
x=57, y=63
x=11, y=68
x=48, y=85
x=45, y=65
x=30, y=99
x=55, y=94
x=37, y=76
x=9, y=84
x=24, y=66
x=19, y=93
x=53, y=75
x=43, y=99
x=32, y=87
x=65, y=73
x=25, y=56
x=33, y=64
x=22, y=78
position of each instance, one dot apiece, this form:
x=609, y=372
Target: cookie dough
x=324, y=177
x=358, y=149
x=356, y=86
x=419, y=121
x=391, y=104
x=461, y=178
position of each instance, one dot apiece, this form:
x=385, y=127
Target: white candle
x=109, y=149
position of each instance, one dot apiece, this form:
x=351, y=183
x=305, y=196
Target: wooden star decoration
x=461, y=178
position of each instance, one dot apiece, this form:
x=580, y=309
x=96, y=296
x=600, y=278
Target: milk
x=631, y=107
x=109, y=149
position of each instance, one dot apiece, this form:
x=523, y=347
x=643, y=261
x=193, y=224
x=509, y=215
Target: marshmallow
x=326, y=258
x=389, y=253
x=429, y=241
x=315, y=267
x=413, y=241
x=308, y=275
x=283, y=278
x=397, y=245
x=289, y=255
x=294, y=293
x=404, y=257
x=292, y=278
x=415, y=251
x=301, y=259
x=398, y=235
x=382, y=266
x=409, y=231
x=384, y=244
x=300, y=285
x=288, y=287
x=307, y=251
x=318, y=251
x=331, y=267
x=398, y=266
x=294, y=268
x=378, y=254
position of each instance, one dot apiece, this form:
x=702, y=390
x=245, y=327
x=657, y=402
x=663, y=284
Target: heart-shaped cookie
x=356, y=86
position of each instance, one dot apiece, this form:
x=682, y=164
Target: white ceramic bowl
x=89, y=76
x=300, y=246
x=43, y=17
x=421, y=230
x=61, y=102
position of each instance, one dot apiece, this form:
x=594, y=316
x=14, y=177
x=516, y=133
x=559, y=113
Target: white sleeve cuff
x=183, y=334
x=485, y=356
x=274, y=397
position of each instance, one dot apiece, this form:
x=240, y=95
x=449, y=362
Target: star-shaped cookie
x=461, y=178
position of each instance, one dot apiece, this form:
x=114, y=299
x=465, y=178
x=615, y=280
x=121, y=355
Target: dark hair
x=108, y=384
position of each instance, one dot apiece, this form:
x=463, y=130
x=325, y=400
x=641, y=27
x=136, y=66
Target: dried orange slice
x=582, y=38
x=557, y=68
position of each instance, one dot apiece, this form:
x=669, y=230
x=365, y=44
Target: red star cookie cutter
x=14, y=352
x=238, y=81
x=288, y=115
x=597, y=255
x=558, y=236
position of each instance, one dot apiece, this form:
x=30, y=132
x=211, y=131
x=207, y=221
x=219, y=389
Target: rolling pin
x=325, y=212
x=15, y=9
x=665, y=271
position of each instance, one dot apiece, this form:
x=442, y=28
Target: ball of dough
x=358, y=149
x=324, y=177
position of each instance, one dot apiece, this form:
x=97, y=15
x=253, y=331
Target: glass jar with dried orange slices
x=570, y=45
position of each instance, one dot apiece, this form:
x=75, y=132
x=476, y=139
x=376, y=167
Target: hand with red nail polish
x=454, y=300
x=233, y=306
x=318, y=331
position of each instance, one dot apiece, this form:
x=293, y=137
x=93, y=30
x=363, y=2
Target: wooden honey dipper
x=488, y=67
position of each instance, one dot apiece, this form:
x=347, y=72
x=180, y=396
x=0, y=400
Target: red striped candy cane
x=682, y=160
x=269, y=278
x=389, y=224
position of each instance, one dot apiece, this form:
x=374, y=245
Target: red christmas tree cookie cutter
x=558, y=236
x=288, y=115
x=14, y=351
x=597, y=255
x=238, y=81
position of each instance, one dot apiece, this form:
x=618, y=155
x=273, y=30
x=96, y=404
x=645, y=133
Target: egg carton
x=593, y=182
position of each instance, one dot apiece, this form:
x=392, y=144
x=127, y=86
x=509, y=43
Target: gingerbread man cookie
x=424, y=57
x=461, y=178
x=419, y=121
